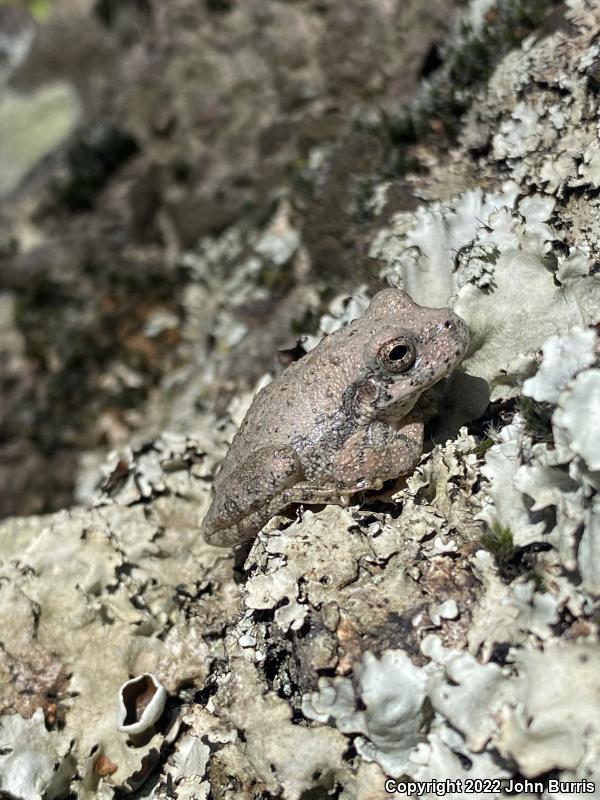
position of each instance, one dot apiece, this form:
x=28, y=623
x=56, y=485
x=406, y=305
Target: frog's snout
x=458, y=329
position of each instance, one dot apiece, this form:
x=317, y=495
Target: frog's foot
x=301, y=494
x=251, y=494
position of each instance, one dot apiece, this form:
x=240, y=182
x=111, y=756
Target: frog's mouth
x=398, y=404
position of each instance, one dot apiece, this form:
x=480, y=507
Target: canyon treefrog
x=338, y=421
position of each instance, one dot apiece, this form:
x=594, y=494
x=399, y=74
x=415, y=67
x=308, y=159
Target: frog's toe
x=229, y=536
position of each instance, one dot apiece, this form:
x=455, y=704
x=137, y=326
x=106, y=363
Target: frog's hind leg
x=250, y=494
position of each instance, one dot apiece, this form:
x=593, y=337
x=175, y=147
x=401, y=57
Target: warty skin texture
x=339, y=420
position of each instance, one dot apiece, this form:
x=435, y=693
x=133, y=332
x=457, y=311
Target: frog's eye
x=397, y=355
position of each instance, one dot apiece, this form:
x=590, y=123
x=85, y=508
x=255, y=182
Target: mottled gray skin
x=339, y=420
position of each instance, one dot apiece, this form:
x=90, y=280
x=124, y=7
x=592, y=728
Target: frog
x=339, y=421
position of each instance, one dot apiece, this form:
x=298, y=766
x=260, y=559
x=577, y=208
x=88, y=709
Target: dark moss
x=181, y=169
x=95, y=155
x=107, y=11
x=462, y=69
x=277, y=278
x=218, y=6
x=483, y=446
x=307, y=323
x=498, y=540
x=537, y=416
x=593, y=75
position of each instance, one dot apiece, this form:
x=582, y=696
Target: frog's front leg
x=256, y=491
x=377, y=453
x=368, y=458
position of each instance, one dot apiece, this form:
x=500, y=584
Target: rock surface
x=445, y=628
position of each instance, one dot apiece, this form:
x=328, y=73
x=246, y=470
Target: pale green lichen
x=31, y=126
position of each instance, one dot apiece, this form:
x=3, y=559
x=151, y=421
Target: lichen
x=445, y=627
x=391, y=693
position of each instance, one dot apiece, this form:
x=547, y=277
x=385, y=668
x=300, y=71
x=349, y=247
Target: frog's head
x=409, y=348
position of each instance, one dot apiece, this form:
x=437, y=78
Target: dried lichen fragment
x=141, y=702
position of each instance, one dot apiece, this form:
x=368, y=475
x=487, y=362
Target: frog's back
x=303, y=397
